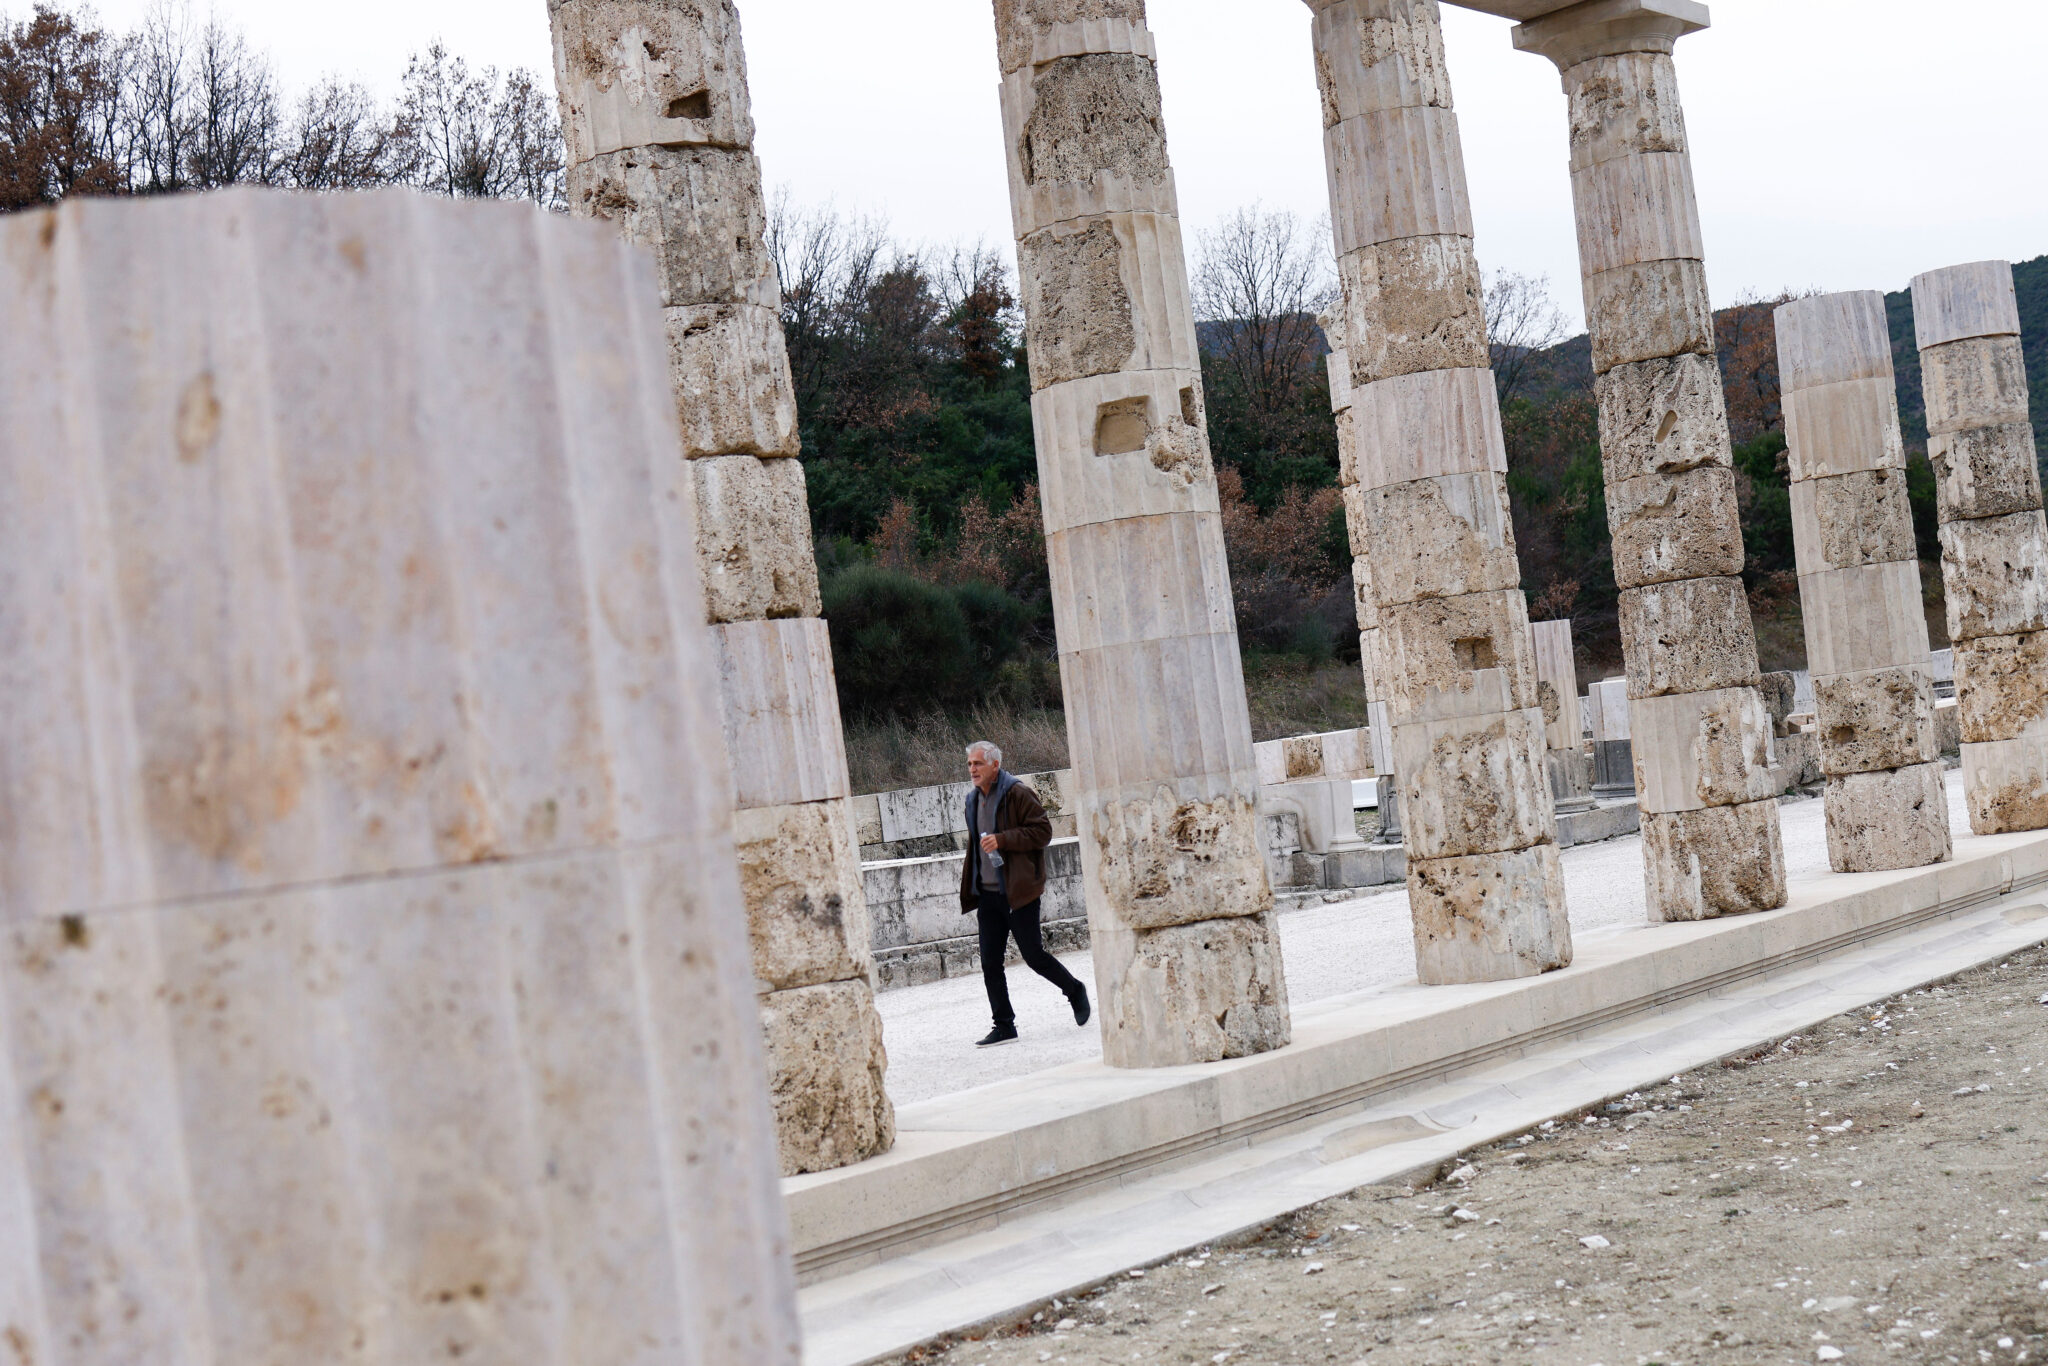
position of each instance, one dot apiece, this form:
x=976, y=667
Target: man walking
x=1007, y=832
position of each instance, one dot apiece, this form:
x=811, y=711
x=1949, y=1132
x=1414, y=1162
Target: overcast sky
x=1839, y=144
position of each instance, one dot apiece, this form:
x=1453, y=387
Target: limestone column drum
x=374, y=981
x=1994, y=544
x=1426, y=482
x=1557, y=681
x=1187, y=962
x=660, y=130
x=1859, y=583
x=1698, y=724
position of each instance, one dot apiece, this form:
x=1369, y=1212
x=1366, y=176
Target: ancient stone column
x=374, y=984
x=1994, y=544
x=1700, y=731
x=1859, y=583
x=1557, y=683
x=1426, y=475
x=660, y=131
x=1186, y=959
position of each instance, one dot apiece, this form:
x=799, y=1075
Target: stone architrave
x=1699, y=728
x=375, y=985
x=1994, y=542
x=1187, y=960
x=660, y=131
x=1425, y=476
x=1859, y=577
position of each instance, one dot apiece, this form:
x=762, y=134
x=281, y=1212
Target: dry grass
x=1290, y=697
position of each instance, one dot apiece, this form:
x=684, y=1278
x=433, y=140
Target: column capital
x=1604, y=28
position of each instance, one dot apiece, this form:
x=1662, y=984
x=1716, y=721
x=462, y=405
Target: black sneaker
x=1000, y=1034
x=1079, y=1001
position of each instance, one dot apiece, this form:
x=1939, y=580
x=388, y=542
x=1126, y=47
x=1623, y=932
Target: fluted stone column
x=1426, y=473
x=1699, y=727
x=1557, y=683
x=1186, y=958
x=660, y=132
x=374, y=985
x=1859, y=583
x=1994, y=544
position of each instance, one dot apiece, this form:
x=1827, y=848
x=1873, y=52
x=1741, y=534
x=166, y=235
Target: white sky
x=1839, y=144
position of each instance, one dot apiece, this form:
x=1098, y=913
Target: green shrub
x=901, y=646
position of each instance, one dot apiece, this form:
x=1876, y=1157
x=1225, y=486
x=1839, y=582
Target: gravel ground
x=1874, y=1190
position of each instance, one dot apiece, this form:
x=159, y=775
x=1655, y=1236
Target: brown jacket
x=1022, y=831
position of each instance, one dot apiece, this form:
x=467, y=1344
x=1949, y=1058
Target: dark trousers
x=998, y=925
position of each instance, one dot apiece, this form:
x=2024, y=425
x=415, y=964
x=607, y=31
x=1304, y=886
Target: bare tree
x=471, y=135
x=59, y=86
x=233, y=117
x=1521, y=320
x=338, y=140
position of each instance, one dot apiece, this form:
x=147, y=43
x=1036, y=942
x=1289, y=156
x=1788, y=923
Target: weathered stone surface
x=781, y=711
x=1985, y=471
x=1844, y=427
x=1996, y=572
x=1780, y=691
x=1675, y=526
x=1474, y=784
x=1720, y=860
x=1413, y=305
x=825, y=1066
x=1883, y=718
x=1139, y=579
x=1624, y=106
x=753, y=538
x=1442, y=537
x=1375, y=55
x=1636, y=209
x=2002, y=686
x=1830, y=339
x=1974, y=300
x=1852, y=519
x=2005, y=785
x=1662, y=416
x=1647, y=312
x=1701, y=749
x=1163, y=858
x=800, y=878
x=1131, y=444
x=1893, y=818
x=1396, y=174
x=1868, y=617
x=1106, y=294
x=1365, y=605
x=1196, y=993
x=729, y=370
x=698, y=209
x=1489, y=917
x=1024, y=26
x=1976, y=383
x=637, y=74
x=1688, y=636
x=1094, y=115
x=1442, y=644
x=1423, y=425
x=1557, y=667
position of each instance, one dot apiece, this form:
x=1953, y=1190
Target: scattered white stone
x=1464, y=1173
x=1136, y=1275
x=1828, y=1353
x=1464, y=1216
x=1834, y=1304
x=1594, y=1242
x=2005, y=1344
x=1809, y=1304
x=1212, y=1287
x=1220, y=1357
x=1065, y=1326
x=1349, y=1228
x=1312, y=1268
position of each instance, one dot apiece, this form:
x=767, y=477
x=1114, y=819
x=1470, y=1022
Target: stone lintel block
x=1140, y=579
x=1960, y=302
x=1447, y=646
x=1995, y=570
x=1650, y=311
x=1978, y=382
x=1881, y=718
x=1843, y=428
x=2005, y=785
x=1395, y=174
x=1625, y=104
x=781, y=711
x=1422, y=425
x=1413, y=305
x=729, y=369
x=1106, y=294
x=1175, y=854
x=1152, y=711
x=1033, y=32
x=1868, y=617
x=1474, y=784
x=1443, y=537
x=1129, y=444
x=1716, y=861
x=1374, y=56
x=1701, y=749
x=1191, y=993
x=1663, y=416
x=639, y=75
x=698, y=209
x=1637, y=209
x=807, y=916
x=1985, y=472
x=1668, y=527
x=1489, y=917
x=754, y=538
x=2002, y=686
x=1085, y=138
x=1689, y=636
x=1833, y=339
x=1888, y=819
x=825, y=1067
x=1847, y=520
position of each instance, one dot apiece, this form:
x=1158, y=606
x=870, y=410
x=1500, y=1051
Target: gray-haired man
x=1003, y=880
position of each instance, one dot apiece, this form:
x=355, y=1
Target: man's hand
x=988, y=844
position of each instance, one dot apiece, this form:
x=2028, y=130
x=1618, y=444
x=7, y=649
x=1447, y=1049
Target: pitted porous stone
x=2005, y=785
x=825, y=1066
x=1689, y=636
x=1625, y=105
x=729, y=370
x=699, y=209
x=1981, y=382
x=1442, y=537
x=1645, y=312
x=1893, y=818
x=1198, y=993
x=1413, y=305
x=1441, y=645
x=1985, y=471
x=1851, y=520
x=1378, y=55
x=1662, y=416
x=1362, y=600
x=800, y=878
x=1701, y=749
x=1475, y=785
x=635, y=74
x=1094, y=115
x=1675, y=526
x=1168, y=860
x=1019, y=23
x=1716, y=861
x=1883, y=718
x=753, y=538
x=2002, y=686
x=1079, y=307
x=1489, y=917
x=1995, y=570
